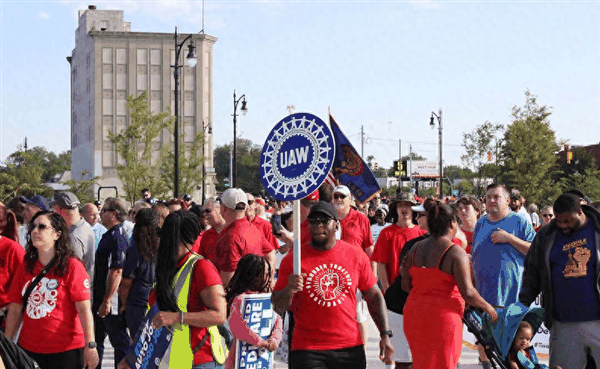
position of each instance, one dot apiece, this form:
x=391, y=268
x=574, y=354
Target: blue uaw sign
x=149, y=345
x=257, y=311
x=297, y=156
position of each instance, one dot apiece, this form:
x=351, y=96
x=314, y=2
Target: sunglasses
x=318, y=221
x=105, y=210
x=338, y=196
x=250, y=202
x=40, y=226
x=207, y=211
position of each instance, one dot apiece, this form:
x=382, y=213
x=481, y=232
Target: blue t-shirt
x=142, y=273
x=573, y=267
x=110, y=254
x=499, y=266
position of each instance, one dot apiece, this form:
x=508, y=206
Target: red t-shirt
x=235, y=241
x=196, y=245
x=304, y=232
x=267, y=230
x=469, y=236
x=389, y=244
x=325, y=310
x=208, y=243
x=356, y=229
x=50, y=316
x=203, y=275
x=11, y=256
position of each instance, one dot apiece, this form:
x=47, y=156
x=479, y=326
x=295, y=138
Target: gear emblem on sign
x=297, y=156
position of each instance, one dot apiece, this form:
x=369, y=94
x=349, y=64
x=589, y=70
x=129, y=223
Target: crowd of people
x=72, y=274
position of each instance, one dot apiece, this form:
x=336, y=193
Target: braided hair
x=250, y=275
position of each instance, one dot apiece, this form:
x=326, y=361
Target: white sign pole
x=297, y=233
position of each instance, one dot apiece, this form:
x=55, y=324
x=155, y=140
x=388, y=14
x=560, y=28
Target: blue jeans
x=114, y=326
x=209, y=365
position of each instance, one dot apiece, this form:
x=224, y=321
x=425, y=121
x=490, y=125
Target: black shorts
x=346, y=358
x=72, y=359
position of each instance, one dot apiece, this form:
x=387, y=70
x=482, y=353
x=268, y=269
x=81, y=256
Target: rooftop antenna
x=390, y=117
x=202, y=17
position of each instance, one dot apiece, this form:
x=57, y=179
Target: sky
x=382, y=65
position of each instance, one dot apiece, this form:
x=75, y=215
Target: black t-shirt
x=395, y=296
x=110, y=254
x=142, y=273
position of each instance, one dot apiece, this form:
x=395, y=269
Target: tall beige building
x=108, y=63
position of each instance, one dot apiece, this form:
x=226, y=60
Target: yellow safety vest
x=180, y=354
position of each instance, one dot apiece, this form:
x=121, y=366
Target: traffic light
x=569, y=156
x=396, y=166
x=489, y=155
x=375, y=166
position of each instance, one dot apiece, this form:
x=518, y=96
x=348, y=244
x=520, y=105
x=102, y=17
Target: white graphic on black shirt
x=42, y=300
x=328, y=284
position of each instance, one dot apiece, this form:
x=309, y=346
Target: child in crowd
x=520, y=344
x=253, y=275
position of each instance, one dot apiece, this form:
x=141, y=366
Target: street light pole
x=191, y=60
x=244, y=110
x=432, y=124
x=209, y=126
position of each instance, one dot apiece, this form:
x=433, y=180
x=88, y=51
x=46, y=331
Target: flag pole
x=296, y=221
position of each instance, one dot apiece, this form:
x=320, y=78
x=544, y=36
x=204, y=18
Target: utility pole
x=399, y=162
x=362, y=142
x=410, y=167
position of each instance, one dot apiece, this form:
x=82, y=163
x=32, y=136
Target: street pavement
x=468, y=358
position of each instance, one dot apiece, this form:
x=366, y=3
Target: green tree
x=581, y=173
x=25, y=171
x=481, y=148
x=83, y=189
x=248, y=161
x=136, y=143
x=528, y=151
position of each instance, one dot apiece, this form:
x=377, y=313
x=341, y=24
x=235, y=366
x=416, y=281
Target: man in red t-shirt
x=356, y=228
x=239, y=237
x=392, y=239
x=264, y=226
x=386, y=254
x=323, y=298
x=208, y=241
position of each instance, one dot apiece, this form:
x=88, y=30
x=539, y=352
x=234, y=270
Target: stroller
x=497, y=338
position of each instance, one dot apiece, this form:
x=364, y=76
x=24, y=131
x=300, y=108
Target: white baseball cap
x=234, y=198
x=343, y=190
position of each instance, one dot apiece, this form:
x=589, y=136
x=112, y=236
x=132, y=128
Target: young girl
x=521, y=343
x=252, y=275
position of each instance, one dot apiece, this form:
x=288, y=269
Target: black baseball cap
x=323, y=208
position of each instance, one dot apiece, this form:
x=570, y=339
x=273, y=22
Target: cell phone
x=276, y=224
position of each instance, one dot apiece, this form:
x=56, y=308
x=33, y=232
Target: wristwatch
x=92, y=345
x=390, y=334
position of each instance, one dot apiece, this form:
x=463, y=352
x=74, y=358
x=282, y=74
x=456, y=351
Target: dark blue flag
x=350, y=169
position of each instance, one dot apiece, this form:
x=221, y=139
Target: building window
x=107, y=55
x=121, y=107
x=155, y=82
x=142, y=56
x=155, y=106
x=155, y=57
x=107, y=106
x=87, y=60
x=142, y=82
x=188, y=82
x=88, y=85
x=189, y=108
x=121, y=56
x=121, y=81
x=107, y=81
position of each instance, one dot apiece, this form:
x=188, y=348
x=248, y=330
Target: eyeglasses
x=40, y=226
x=339, y=196
x=104, y=210
x=548, y=215
x=318, y=221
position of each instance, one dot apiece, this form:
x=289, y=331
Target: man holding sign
x=323, y=298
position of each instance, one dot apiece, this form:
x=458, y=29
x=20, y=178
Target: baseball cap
x=323, y=208
x=187, y=197
x=419, y=208
x=234, y=198
x=66, y=200
x=39, y=201
x=342, y=189
x=579, y=194
x=406, y=197
x=260, y=201
x=382, y=210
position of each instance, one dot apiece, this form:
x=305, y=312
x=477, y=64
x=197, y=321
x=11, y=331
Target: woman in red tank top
x=438, y=276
